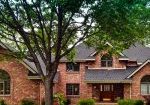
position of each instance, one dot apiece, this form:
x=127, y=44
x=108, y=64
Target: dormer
x=106, y=60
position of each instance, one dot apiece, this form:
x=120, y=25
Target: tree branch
x=32, y=28
x=20, y=30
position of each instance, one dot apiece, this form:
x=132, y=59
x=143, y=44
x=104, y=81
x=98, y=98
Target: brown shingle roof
x=138, y=53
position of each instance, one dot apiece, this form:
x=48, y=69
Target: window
x=72, y=66
x=106, y=61
x=107, y=88
x=145, y=85
x=72, y=89
x=4, y=83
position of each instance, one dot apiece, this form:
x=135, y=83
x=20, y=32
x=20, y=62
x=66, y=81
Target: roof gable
x=139, y=68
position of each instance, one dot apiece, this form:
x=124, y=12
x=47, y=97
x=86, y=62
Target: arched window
x=4, y=83
x=106, y=61
x=145, y=85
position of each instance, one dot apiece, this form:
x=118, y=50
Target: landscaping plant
x=27, y=102
x=60, y=98
x=130, y=102
x=86, y=102
x=139, y=102
x=2, y=102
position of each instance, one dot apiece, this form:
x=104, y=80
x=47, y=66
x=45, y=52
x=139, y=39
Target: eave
x=108, y=81
x=146, y=62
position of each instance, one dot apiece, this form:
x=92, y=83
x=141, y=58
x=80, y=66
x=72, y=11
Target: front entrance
x=107, y=92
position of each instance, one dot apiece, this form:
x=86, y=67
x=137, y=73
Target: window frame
x=75, y=67
x=6, y=84
x=147, y=85
x=107, y=60
x=73, y=86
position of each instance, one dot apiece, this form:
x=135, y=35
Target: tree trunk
x=48, y=92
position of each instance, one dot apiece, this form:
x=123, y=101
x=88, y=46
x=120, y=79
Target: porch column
x=127, y=91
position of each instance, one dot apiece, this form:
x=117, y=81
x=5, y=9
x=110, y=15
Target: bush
x=86, y=102
x=2, y=102
x=27, y=102
x=139, y=102
x=130, y=102
x=60, y=98
x=57, y=97
x=126, y=102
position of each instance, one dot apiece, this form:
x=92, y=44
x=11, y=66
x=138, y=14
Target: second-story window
x=106, y=61
x=70, y=66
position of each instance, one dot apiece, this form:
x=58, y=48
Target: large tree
x=50, y=29
x=121, y=23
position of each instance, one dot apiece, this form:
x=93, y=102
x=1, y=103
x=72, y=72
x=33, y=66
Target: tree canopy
x=121, y=23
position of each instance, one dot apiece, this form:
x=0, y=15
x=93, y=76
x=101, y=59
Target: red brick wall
x=21, y=86
x=74, y=77
x=135, y=90
x=131, y=63
x=78, y=77
x=127, y=94
x=97, y=62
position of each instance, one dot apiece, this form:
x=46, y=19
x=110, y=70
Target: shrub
x=126, y=102
x=27, y=102
x=138, y=102
x=86, y=102
x=60, y=98
x=130, y=102
x=2, y=102
x=57, y=97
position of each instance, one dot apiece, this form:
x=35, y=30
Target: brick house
x=96, y=75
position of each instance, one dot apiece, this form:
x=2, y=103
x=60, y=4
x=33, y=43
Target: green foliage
x=60, y=98
x=47, y=28
x=130, y=102
x=27, y=102
x=125, y=102
x=2, y=102
x=121, y=23
x=70, y=56
x=139, y=102
x=36, y=17
x=86, y=102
